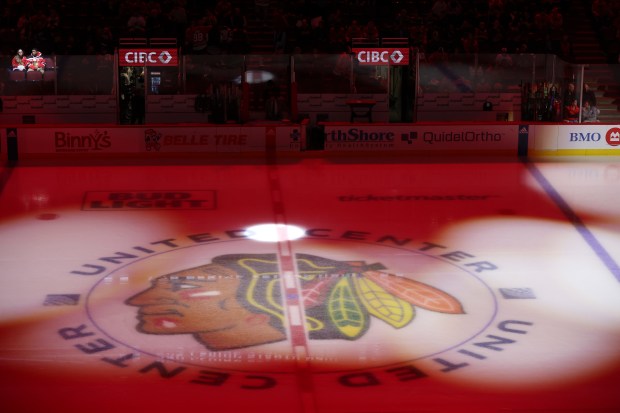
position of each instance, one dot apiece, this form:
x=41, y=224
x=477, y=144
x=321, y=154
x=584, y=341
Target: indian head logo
x=236, y=301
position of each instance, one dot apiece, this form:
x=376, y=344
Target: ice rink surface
x=317, y=284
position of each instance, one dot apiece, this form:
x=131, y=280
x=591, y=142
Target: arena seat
x=34, y=76
x=49, y=63
x=49, y=76
x=17, y=76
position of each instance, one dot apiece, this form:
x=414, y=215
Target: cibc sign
x=382, y=56
x=148, y=57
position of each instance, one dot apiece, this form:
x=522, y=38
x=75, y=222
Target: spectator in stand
x=238, y=22
x=503, y=59
x=335, y=18
x=455, y=12
x=497, y=34
x=438, y=57
x=303, y=34
x=336, y=39
x=126, y=92
x=567, y=52
x=523, y=57
x=223, y=9
x=19, y=61
x=23, y=27
x=280, y=30
x=212, y=20
x=343, y=71
x=371, y=30
x=570, y=94
x=178, y=18
x=263, y=11
x=496, y=5
x=599, y=11
x=36, y=61
x=401, y=23
x=435, y=43
x=53, y=19
x=240, y=43
x=197, y=36
x=271, y=97
x=157, y=24
x=589, y=113
x=343, y=64
x=439, y=9
x=138, y=107
x=319, y=34
x=541, y=22
x=39, y=32
x=571, y=112
x=8, y=34
x=555, y=19
x=589, y=95
x=468, y=43
x=355, y=30
x=136, y=24
x=106, y=40
x=481, y=34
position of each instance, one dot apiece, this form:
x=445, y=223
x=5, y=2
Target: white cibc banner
x=574, y=139
x=152, y=141
x=423, y=138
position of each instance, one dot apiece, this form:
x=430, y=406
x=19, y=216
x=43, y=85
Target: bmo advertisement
x=377, y=56
x=148, y=57
x=575, y=139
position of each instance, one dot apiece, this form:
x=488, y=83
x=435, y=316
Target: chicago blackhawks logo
x=236, y=300
x=223, y=301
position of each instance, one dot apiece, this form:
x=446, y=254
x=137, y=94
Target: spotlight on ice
x=274, y=232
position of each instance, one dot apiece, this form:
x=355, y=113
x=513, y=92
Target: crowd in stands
x=35, y=62
x=437, y=29
x=505, y=31
x=224, y=26
x=548, y=102
x=606, y=18
x=66, y=27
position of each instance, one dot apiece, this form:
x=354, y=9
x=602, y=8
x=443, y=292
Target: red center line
x=293, y=300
